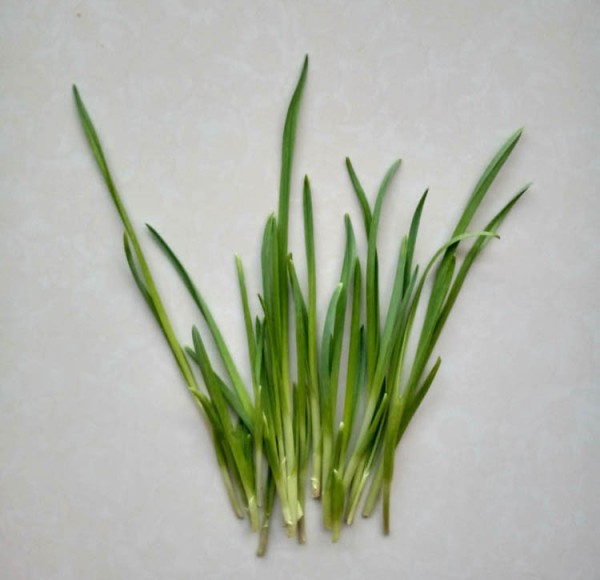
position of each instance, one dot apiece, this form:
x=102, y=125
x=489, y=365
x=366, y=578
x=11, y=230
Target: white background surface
x=106, y=469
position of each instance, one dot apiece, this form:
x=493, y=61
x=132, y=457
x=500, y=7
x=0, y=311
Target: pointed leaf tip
x=517, y=134
x=77, y=96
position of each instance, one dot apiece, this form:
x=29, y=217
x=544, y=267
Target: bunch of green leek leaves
x=268, y=436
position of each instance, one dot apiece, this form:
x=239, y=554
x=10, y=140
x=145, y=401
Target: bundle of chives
x=264, y=443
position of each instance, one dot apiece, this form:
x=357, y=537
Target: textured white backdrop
x=106, y=471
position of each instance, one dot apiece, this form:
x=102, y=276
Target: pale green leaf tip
x=517, y=134
x=77, y=96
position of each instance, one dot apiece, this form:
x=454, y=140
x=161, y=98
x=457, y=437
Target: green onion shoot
x=285, y=434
